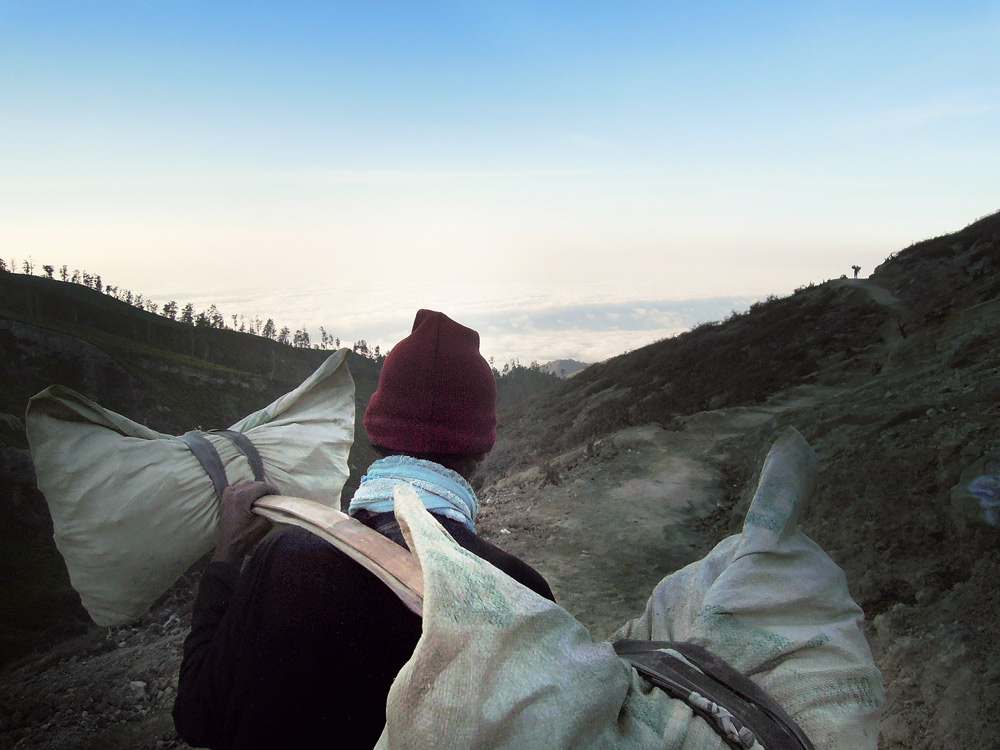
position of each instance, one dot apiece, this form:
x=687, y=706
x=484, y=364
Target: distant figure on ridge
x=856, y=269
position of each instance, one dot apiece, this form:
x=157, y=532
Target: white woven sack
x=771, y=603
x=133, y=508
x=498, y=666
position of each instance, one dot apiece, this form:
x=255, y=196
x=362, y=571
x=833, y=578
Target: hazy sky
x=573, y=178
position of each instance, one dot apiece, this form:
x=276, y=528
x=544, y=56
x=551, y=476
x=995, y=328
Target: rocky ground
x=908, y=435
x=897, y=453
x=109, y=688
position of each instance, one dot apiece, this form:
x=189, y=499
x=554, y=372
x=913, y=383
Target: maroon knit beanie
x=436, y=393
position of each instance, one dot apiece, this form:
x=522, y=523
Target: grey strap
x=209, y=459
x=248, y=449
x=712, y=684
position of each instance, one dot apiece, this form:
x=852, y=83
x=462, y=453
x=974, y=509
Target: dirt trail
x=892, y=331
x=605, y=523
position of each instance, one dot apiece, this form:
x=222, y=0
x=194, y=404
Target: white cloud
x=514, y=320
x=959, y=106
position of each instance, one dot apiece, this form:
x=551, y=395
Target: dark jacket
x=300, y=649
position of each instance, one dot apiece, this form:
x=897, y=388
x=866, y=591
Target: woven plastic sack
x=498, y=666
x=133, y=508
x=771, y=603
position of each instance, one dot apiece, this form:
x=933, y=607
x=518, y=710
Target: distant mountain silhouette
x=564, y=368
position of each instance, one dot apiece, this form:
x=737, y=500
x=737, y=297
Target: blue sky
x=532, y=167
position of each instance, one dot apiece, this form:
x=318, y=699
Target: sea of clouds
x=541, y=322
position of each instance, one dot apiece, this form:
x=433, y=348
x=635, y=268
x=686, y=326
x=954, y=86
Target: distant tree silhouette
x=301, y=338
x=3, y=265
x=856, y=269
x=211, y=318
x=215, y=319
x=327, y=341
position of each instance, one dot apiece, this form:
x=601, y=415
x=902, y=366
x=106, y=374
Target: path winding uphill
x=893, y=332
x=605, y=522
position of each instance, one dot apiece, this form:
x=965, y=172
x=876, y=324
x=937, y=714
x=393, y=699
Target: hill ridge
x=895, y=381
x=636, y=465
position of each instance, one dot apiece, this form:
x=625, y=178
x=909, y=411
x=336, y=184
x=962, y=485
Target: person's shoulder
x=295, y=537
x=510, y=564
x=292, y=545
x=295, y=558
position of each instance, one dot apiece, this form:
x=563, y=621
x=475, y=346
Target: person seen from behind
x=299, y=648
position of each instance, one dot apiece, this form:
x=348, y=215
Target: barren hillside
x=637, y=466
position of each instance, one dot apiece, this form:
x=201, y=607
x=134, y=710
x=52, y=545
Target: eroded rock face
x=33, y=355
x=20, y=495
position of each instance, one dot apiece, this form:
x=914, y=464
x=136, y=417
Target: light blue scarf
x=441, y=490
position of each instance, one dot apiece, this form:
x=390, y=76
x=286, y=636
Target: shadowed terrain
x=634, y=467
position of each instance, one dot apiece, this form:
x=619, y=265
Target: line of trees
x=515, y=366
x=210, y=318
